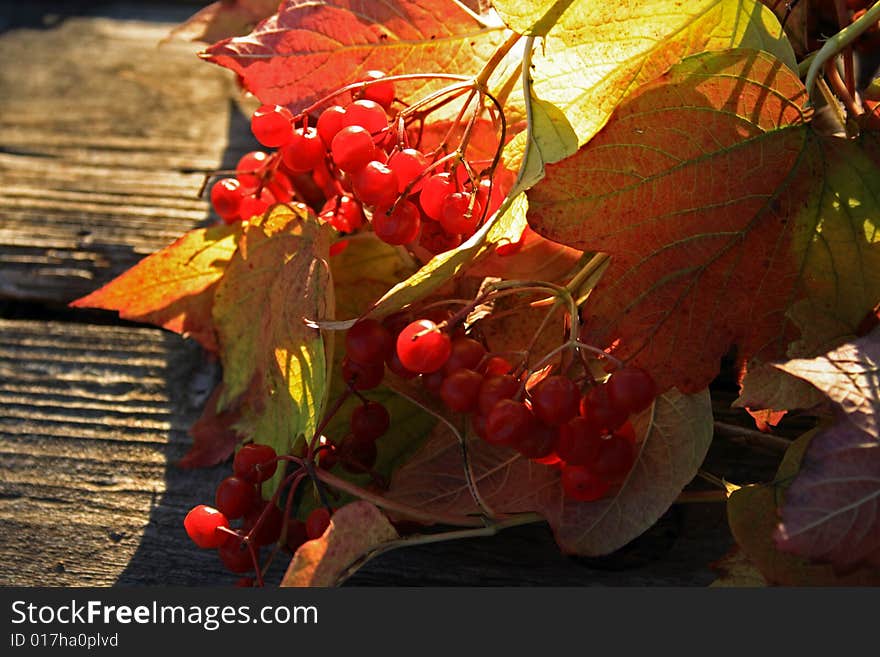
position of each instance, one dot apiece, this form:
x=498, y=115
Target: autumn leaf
x=214, y=439
x=311, y=48
x=753, y=518
x=355, y=529
x=274, y=365
x=673, y=436
x=720, y=210
x=173, y=288
x=224, y=19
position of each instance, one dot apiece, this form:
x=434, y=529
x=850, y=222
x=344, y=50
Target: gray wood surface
x=104, y=139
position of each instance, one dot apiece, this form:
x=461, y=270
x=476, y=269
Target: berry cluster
x=587, y=435
x=365, y=158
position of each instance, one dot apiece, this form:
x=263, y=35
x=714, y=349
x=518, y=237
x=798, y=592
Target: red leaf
x=720, y=210
x=173, y=288
x=213, y=438
x=310, y=48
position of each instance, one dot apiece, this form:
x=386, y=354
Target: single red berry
x=478, y=424
x=362, y=377
x=253, y=204
x=352, y=148
x=494, y=389
x=375, y=184
x=458, y=215
x=235, y=555
x=296, y=534
x=400, y=226
x=357, y=454
x=337, y=247
x=460, y=390
x=250, y=168
x=235, y=497
x=280, y=187
x=631, y=389
x=368, y=342
x=343, y=212
x=598, y=410
x=433, y=381
x=579, y=442
x=304, y=151
x=466, y=354
x=508, y=423
x=366, y=114
x=555, y=400
x=582, y=484
x=408, y=164
x=379, y=91
x=370, y=420
x=540, y=443
x=272, y=125
x=328, y=457
x=202, y=523
x=615, y=459
x=496, y=366
x=435, y=191
x=422, y=347
x=331, y=121
x=397, y=367
x=255, y=463
x=269, y=528
x=226, y=195
x=436, y=240
x=317, y=522
x=628, y=431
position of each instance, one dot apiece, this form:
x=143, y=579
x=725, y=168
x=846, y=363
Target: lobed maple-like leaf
x=275, y=367
x=673, y=435
x=224, y=19
x=720, y=210
x=753, y=516
x=355, y=529
x=174, y=287
x=311, y=47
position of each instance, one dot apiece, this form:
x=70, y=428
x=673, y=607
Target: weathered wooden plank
x=105, y=138
x=92, y=420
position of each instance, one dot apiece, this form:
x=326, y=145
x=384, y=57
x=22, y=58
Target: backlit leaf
x=720, y=210
x=174, y=287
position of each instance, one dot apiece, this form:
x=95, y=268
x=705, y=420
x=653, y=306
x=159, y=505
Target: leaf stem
x=497, y=57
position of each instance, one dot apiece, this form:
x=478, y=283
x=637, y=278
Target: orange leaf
x=173, y=288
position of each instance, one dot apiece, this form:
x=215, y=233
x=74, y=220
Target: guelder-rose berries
x=368, y=342
x=317, y=522
x=631, y=389
x=202, y=524
x=352, y=148
x=226, y=196
x=555, y=400
x=582, y=484
x=422, y=347
x=398, y=226
x=255, y=463
x=272, y=125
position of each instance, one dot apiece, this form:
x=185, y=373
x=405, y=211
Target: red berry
x=436, y=240
x=249, y=166
x=508, y=423
x=435, y=191
x=628, y=431
x=331, y=121
x=328, y=457
x=280, y=187
x=375, y=184
x=304, y=151
x=615, y=459
x=235, y=497
x=478, y=423
x=466, y=354
x=370, y=421
x=255, y=463
x=272, y=125
x=598, y=410
x=366, y=114
x=397, y=367
x=317, y=523
x=400, y=226
x=362, y=377
x=579, y=442
x=496, y=366
x=555, y=400
x=461, y=389
x=343, y=213
x=352, y=148
x=458, y=216
x=433, y=382
x=422, y=347
x=379, y=92
x=254, y=205
x=202, y=523
x=582, y=484
x=408, y=165
x=631, y=389
x=357, y=454
x=296, y=534
x=226, y=195
x=540, y=443
x=235, y=555
x=494, y=389
x=368, y=342
x=269, y=528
